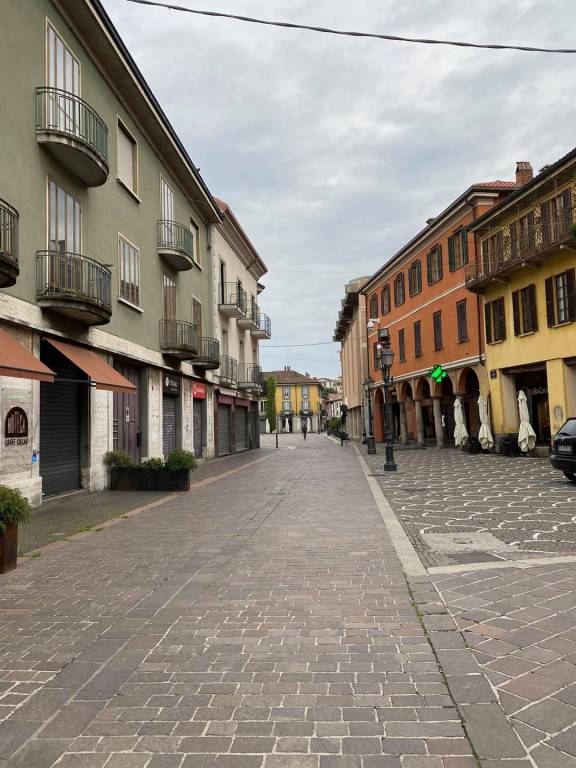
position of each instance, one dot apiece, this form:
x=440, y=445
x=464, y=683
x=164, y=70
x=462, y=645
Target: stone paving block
x=491, y=734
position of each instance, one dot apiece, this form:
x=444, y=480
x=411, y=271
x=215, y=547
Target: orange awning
x=18, y=362
x=95, y=367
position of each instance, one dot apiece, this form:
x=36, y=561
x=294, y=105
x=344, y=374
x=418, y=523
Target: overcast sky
x=334, y=151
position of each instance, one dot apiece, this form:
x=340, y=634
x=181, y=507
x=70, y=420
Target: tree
x=327, y=391
x=271, y=403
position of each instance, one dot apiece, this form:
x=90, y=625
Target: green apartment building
x=107, y=337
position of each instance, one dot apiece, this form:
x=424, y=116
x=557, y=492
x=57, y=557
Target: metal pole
x=390, y=465
x=276, y=439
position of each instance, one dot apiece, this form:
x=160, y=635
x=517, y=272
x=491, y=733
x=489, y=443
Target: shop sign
x=243, y=403
x=225, y=400
x=198, y=390
x=494, y=373
x=171, y=384
x=532, y=391
x=16, y=427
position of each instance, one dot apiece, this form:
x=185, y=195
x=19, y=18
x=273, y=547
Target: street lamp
x=386, y=360
x=370, y=442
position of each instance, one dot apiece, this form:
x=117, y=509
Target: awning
x=18, y=362
x=95, y=367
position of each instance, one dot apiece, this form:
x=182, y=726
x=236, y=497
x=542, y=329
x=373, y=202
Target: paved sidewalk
x=261, y=620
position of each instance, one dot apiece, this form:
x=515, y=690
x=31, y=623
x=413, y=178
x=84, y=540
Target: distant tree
x=326, y=391
x=271, y=403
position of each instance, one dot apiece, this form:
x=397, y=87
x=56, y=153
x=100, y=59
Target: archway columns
x=419, y=422
x=437, y=405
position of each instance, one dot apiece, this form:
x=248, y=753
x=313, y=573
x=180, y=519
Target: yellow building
x=526, y=273
x=298, y=400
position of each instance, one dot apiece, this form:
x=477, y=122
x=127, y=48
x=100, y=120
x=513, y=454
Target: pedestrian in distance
x=304, y=429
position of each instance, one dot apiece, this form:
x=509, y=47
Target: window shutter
x=550, y=310
x=451, y=254
x=464, y=245
x=571, y=293
x=439, y=257
x=501, y=319
x=545, y=222
x=567, y=208
x=531, y=239
x=533, y=311
x=429, y=267
x=513, y=241
x=516, y=312
x=488, y=321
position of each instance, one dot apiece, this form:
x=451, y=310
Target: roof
x=487, y=186
x=229, y=213
x=291, y=377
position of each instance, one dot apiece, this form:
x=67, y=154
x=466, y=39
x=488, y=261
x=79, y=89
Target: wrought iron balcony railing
x=8, y=244
x=228, y=369
x=264, y=325
x=178, y=338
x=175, y=236
x=208, y=353
x=250, y=377
x=232, y=295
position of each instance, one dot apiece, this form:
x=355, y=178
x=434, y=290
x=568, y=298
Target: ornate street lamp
x=370, y=442
x=386, y=360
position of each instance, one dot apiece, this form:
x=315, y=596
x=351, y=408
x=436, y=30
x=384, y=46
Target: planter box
x=8, y=548
x=135, y=479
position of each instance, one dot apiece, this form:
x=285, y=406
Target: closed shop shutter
x=198, y=427
x=60, y=420
x=241, y=423
x=169, y=407
x=223, y=430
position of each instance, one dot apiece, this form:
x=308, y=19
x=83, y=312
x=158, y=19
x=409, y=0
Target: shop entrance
x=534, y=383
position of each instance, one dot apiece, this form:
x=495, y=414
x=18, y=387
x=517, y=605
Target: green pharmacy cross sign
x=438, y=373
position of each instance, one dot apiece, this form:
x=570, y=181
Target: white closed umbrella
x=285, y=425
x=484, y=435
x=526, y=434
x=460, y=431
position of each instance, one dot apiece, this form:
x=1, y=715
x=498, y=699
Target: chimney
x=524, y=173
x=286, y=367
x=431, y=221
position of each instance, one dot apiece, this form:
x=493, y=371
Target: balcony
x=9, y=270
x=208, y=354
x=249, y=321
x=178, y=339
x=232, y=300
x=250, y=378
x=263, y=328
x=515, y=252
x=175, y=244
x=228, y=370
x=74, y=133
x=74, y=286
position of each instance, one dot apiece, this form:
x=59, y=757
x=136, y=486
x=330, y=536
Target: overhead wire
x=350, y=33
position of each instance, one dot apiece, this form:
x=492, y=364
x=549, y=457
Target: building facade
x=240, y=324
x=108, y=336
x=419, y=296
x=351, y=333
x=298, y=400
x=525, y=271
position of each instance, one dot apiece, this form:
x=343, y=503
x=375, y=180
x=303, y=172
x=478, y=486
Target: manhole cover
x=475, y=541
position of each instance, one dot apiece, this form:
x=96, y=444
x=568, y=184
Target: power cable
x=290, y=346
x=346, y=33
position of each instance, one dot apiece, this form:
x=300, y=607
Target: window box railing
x=250, y=377
x=178, y=338
x=8, y=244
x=228, y=369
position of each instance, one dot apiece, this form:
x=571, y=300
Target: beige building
x=351, y=333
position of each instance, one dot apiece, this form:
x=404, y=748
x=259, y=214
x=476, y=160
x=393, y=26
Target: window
x=195, y=241
x=457, y=250
x=462, y=320
x=166, y=201
x=305, y=393
x=63, y=69
x=522, y=236
x=415, y=278
x=524, y=310
x=241, y=356
x=286, y=405
x=434, y=265
x=401, y=346
x=375, y=352
x=399, y=294
x=64, y=221
x=561, y=298
x=417, y=339
x=437, y=321
x=556, y=217
x=374, y=307
x=126, y=158
x=306, y=405
x=493, y=252
x=129, y=259
x=495, y=319
x=385, y=300
x=286, y=393
x=222, y=285
x=169, y=296
x=197, y=316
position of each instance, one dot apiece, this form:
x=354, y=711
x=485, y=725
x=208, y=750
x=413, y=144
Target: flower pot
x=143, y=479
x=8, y=548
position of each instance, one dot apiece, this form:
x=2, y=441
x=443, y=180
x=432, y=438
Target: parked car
x=563, y=449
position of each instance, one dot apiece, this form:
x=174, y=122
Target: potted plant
x=14, y=509
x=153, y=474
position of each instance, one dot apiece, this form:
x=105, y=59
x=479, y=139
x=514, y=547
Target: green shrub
x=154, y=463
x=180, y=459
x=335, y=423
x=14, y=508
x=117, y=459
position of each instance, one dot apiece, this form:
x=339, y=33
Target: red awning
x=18, y=362
x=94, y=366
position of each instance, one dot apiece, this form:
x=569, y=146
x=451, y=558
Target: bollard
x=276, y=439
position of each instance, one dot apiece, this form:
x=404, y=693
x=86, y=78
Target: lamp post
x=386, y=360
x=370, y=442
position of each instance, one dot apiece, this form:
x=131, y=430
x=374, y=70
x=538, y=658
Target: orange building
x=419, y=295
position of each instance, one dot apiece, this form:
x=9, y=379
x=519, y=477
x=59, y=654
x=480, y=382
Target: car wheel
x=570, y=475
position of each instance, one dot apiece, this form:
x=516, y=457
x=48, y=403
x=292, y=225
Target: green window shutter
x=516, y=312
x=464, y=245
x=501, y=319
x=550, y=309
x=451, y=254
x=488, y=321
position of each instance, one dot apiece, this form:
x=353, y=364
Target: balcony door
x=167, y=212
x=59, y=268
x=62, y=74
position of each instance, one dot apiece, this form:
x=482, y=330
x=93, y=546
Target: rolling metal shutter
x=169, y=408
x=223, y=430
x=198, y=419
x=241, y=424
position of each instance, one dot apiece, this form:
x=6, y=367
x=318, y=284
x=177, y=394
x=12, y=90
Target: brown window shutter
x=545, y=222
x=533, y=311
x=440, y=267
x=429, y=267
x=550, y=309
x=516, y=312
x=531, y=238
x=501, y=319
x=571, y=293
x=488, y=321
x=567, y=209
x=513, y=241
x=463, y=234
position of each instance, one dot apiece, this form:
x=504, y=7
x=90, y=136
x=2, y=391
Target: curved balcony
x=74, y=286
x=178, y=339
x=250, y=377
x=9, y=269
x=175, y=244
x=74, y=133
x=228, y=370
x=263, y=328
x=208, y=354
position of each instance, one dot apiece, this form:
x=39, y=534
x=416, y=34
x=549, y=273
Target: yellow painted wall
x=296, y=397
